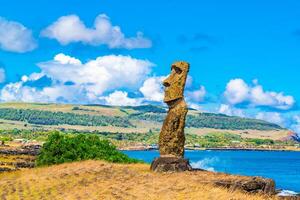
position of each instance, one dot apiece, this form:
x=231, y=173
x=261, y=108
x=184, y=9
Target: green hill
x=149, y=113
x=121, y=122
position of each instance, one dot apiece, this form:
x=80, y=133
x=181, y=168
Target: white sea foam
x=287, y=193
x=206, y=163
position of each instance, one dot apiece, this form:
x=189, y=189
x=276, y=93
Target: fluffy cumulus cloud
x=273, y=117
x=2, y=75
x=15, y=37
x=230, y=110
x=77, y=82
x=68, y=29
x=65, y=59
x=152, y=89
x=99, y=75
x=238, y=91
x=120, y=98
x=196, y=95
x=57, y=93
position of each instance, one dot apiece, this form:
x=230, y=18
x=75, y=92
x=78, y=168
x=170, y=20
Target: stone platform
x=170, y=164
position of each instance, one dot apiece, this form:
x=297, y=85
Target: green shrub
x=61, y=148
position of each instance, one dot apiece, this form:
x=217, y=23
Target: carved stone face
x=175, y=83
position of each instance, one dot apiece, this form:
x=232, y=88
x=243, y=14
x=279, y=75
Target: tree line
x=55, y=118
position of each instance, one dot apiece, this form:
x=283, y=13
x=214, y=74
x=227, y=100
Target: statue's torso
x=171, y=139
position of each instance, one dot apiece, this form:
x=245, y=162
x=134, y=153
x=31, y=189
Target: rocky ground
x=15, y=156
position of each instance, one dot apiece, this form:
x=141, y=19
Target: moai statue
x=171, y=138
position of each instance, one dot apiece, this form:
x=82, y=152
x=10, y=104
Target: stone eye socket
x=177, y=69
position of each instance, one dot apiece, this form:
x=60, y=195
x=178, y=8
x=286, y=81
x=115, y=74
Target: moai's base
x=170, y=164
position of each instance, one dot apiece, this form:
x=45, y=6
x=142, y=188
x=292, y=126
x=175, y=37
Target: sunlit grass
x=101, y=180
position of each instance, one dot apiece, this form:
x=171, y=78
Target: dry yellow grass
x=92, y=110
x=100, y=180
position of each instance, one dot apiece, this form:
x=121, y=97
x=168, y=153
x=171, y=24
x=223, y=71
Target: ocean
x=281, y=166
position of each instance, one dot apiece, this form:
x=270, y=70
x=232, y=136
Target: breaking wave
x=206, y=163
x=287, y=193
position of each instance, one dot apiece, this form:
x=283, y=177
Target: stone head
x=175, y=82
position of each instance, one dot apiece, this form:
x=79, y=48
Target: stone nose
x=166, y=82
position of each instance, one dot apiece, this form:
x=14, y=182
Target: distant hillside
x=127, y=119
x=146, y=113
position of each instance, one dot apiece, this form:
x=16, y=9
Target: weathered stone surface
x=173, y=164
x=254, y=185
x=175, y=83
x=171, y=138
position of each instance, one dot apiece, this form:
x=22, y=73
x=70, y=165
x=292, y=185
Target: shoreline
x=138, y=148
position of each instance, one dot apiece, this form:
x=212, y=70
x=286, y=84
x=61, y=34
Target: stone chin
x=170, y=99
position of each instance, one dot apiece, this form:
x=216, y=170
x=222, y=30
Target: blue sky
x=244, y=56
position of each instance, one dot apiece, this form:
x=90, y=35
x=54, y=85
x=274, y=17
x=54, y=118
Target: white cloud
x=2, y=75
x=68, y=29
x=277, y=100
x=64, y=59
x=33, y=77
x=296, y=124
x=119, y=98
x=152, y=89
x=196, y=95
x=89, y=80
x=57, y=93
x=272, y=117
x=238, y=91
x=194, y=106
x=189, y=81
x=15, y=37
x=99, y=75
x=230, y=110
x=297, y=119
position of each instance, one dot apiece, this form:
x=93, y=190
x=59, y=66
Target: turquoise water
x=283, y=167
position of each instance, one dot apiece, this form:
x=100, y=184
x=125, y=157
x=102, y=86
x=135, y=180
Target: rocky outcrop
x=25, y=150
x=6, y=169
x=254, y=185
x=292, y=136
x=24, y=165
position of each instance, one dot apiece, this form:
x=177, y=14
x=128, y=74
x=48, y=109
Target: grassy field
x=135, y=116
x=67, y=108
x=93, y=180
